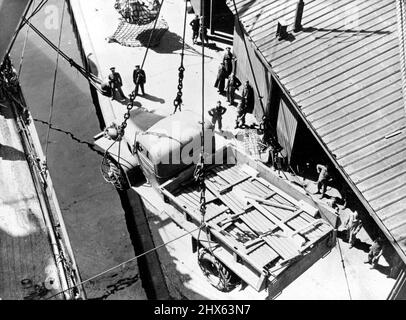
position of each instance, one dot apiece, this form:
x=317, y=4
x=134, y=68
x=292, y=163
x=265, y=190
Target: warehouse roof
x=343, y=71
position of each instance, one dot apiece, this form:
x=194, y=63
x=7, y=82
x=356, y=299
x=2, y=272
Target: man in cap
x=228, y=61
x=203, y=34
x=248, y=95
x=195, y=24
x=233, y=84
x=115, y=83
x=217, y=115
x=139, y=79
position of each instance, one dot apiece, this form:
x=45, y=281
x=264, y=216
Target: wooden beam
x=277, y=222
x=229, y=186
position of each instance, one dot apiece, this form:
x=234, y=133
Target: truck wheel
x=218, y=275
x=113, y=174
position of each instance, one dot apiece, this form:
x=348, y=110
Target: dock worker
x=248, y=95
x=241, y=113
x=195, y=24
x=375, y=252
x=228, y=61
x=115, y=83
x=217, y=115
x=353, y=226
x=203, y=34
x=233, y=83
x=324, y=178
x=221, y=79
x=139, y=79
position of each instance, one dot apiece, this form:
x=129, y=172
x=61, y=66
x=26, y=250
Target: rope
x=23, y=22
x=125, y=262
x=23, y=51
x=200, y=168
x=150, y=35
x=249, y=57
x=93, y=80
x=178, y=100
x=345, y=272
x=54, y=85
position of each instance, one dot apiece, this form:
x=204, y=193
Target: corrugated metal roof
x=343, y=71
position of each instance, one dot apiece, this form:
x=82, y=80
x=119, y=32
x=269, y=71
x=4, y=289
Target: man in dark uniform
x=248, y=96
x=115, y=83
x=221, y=79
x=195, y=24
x=217, y=115
x=228, y=61
x=232, y=84
x=139, y=79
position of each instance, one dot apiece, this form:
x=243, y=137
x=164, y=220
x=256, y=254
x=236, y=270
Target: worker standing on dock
x=241, y=113
x=195, y=24
x=228, y=61
x=115, y=83
x=248, y=96
x=203, y=34
x=353, y=226
x=217, y=115
x=221, y=79
x=375, y=252
x=324, y=177
x=139, y=79
x=232, y=84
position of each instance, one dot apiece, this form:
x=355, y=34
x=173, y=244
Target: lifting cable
x=345, y=271
x=24, y=46
x=23, y=23
x=249, y=57
x=178, y=100
x=94, y=81
x=124, y=263
x=121, y=128
x=51, y=109
x=199, y=173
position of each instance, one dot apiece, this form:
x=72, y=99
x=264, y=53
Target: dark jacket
x=221, y=73
x=115, y=79
x=217, y=111
x=195, y=23
x=248, y=96
x=233, y=82
x=139, y=76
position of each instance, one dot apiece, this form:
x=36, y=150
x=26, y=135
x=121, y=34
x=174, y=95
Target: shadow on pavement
x=11, y=154
x=153, y=98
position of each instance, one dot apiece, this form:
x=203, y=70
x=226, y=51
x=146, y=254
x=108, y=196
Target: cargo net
x=249, y=141
x=132, y=35
x=139, y=12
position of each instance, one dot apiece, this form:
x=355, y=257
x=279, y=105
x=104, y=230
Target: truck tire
x=218, y=275
x=114, y=174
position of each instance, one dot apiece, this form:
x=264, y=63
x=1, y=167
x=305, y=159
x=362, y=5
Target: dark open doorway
x=222, y=19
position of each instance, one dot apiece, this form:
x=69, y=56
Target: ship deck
x=26, y=257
